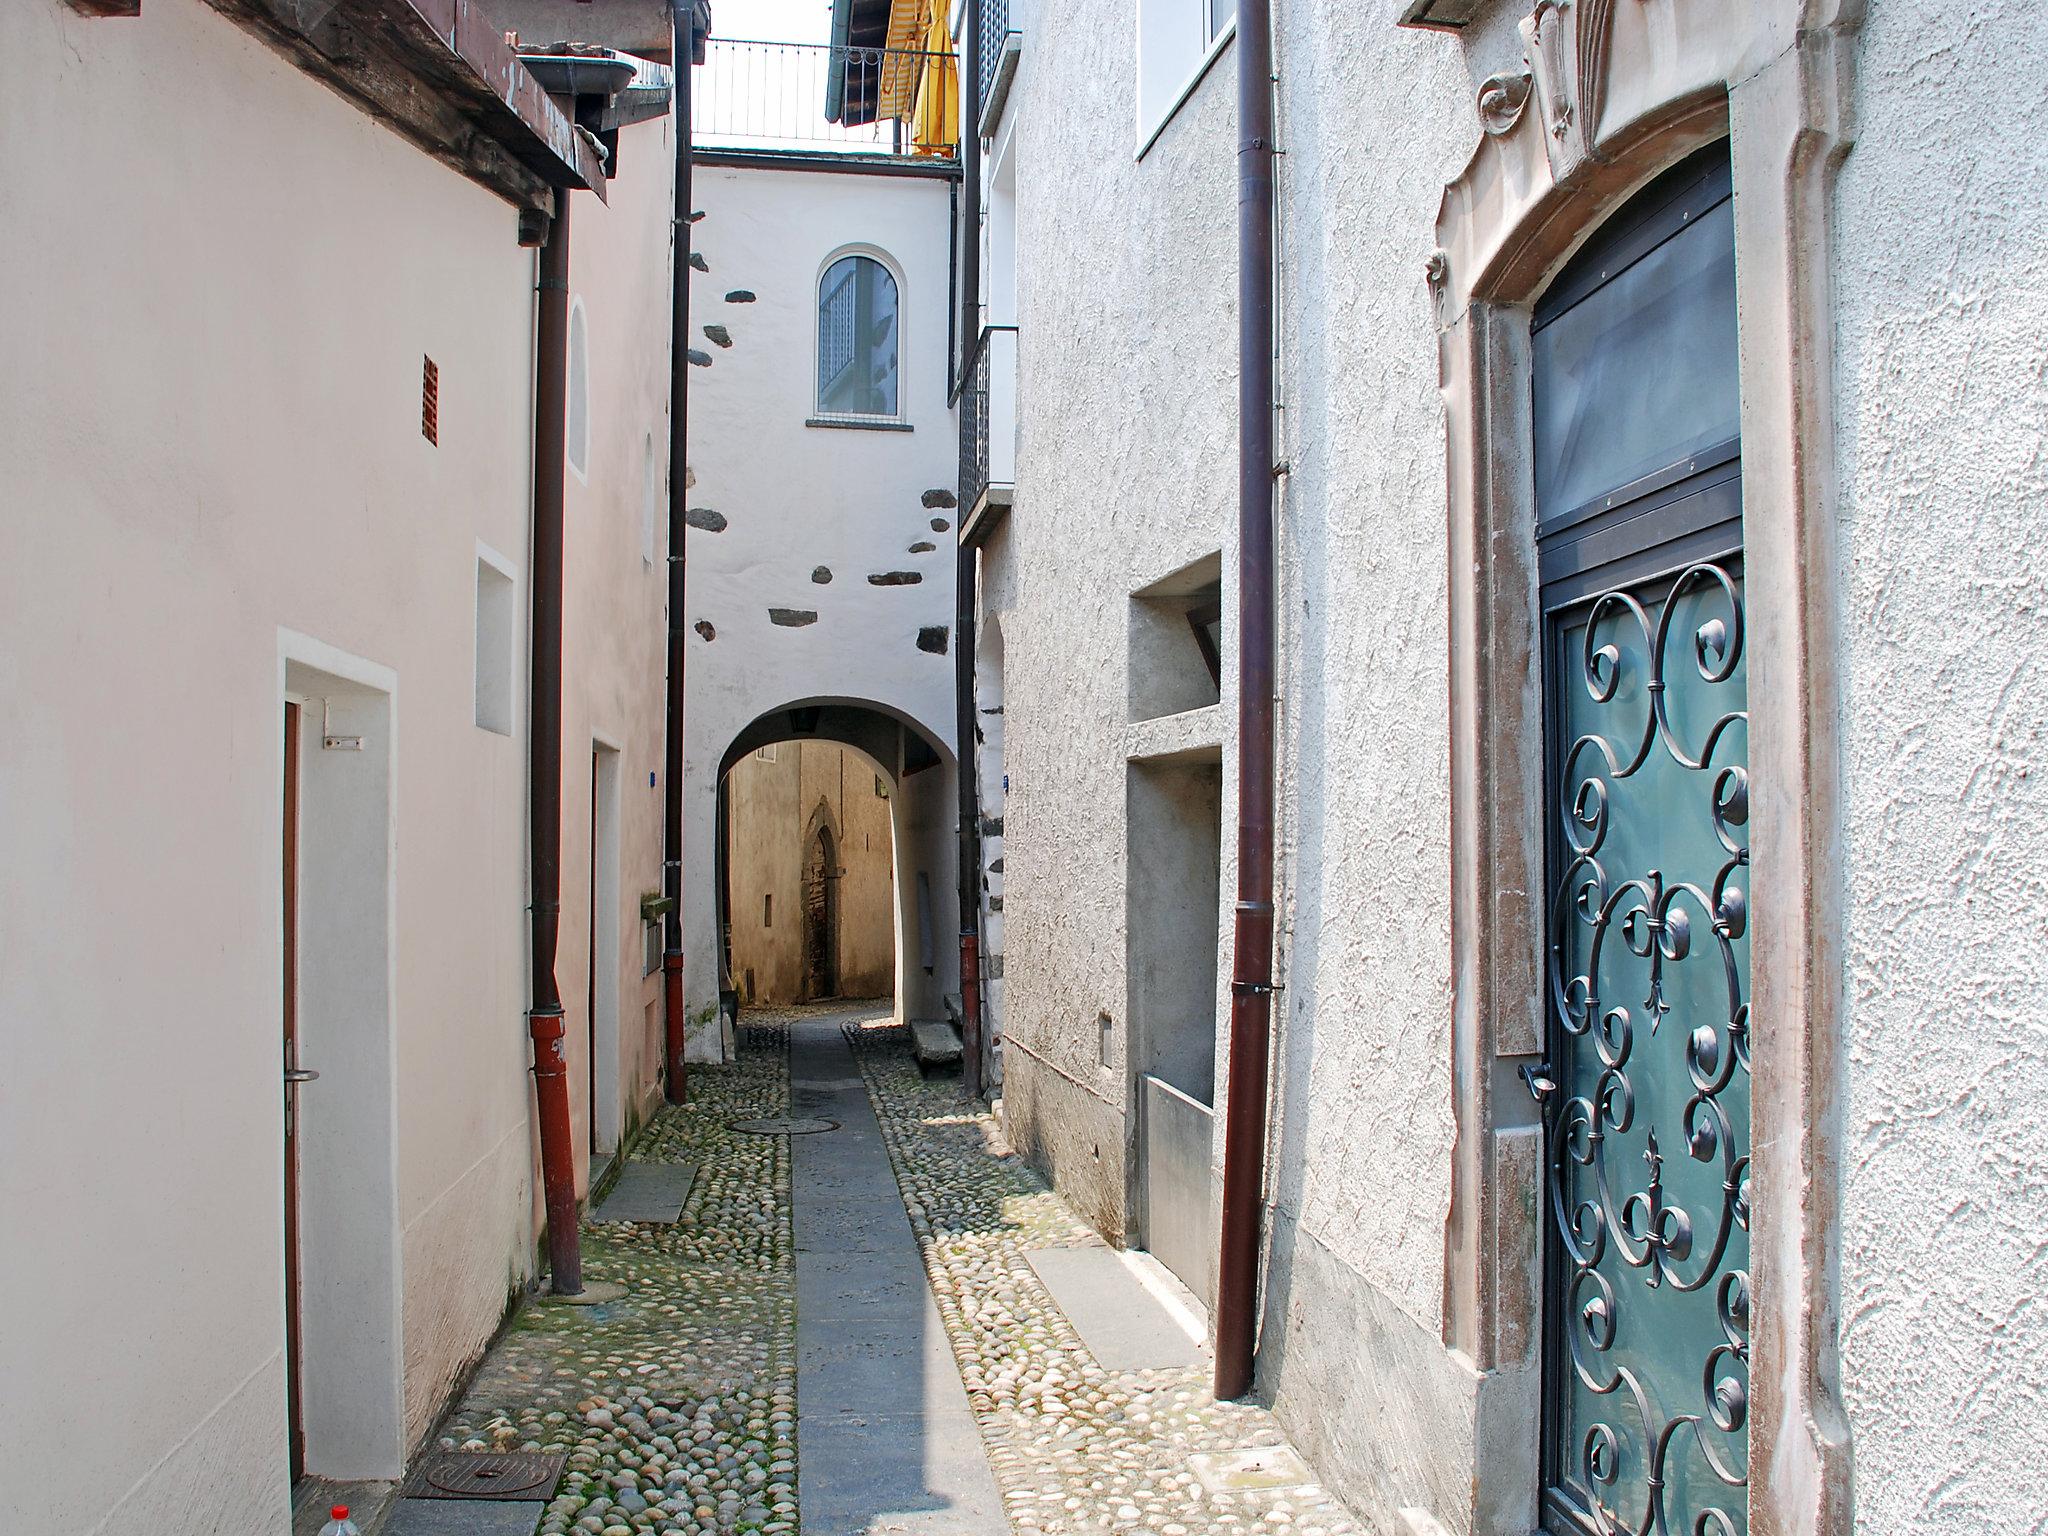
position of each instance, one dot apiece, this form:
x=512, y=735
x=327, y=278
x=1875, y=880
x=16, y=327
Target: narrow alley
x=867, y=1316
x=1023, y=767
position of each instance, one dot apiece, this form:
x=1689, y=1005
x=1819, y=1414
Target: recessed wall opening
x=1173, y=896
x=343, y=1254
x=1176, y=642
x=607, y=899
x=497, y=626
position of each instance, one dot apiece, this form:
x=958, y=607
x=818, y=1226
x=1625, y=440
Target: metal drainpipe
x=683, y=15
x=1251, y=983
x=963, y=577
x=544, y=747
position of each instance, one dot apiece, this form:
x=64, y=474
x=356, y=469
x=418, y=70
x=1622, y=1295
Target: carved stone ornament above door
x=1596, y=78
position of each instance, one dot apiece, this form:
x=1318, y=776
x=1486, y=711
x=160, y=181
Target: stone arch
x=913, y=771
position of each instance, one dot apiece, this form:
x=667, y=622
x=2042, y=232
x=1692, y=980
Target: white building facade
x=821, y=531
x=270, y=422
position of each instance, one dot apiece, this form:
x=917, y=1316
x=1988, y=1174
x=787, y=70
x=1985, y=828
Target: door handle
x=300, y=1075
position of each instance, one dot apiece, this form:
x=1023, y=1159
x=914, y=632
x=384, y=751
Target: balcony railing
x=988, y=416
x=817, y=98
x=995, y=26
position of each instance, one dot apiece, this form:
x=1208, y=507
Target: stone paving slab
x=889, y=1441
x=919, y=1476
x=648, y=1192
x=462, y=1517
x=1122, y=1323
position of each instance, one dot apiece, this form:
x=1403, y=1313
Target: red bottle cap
x=340, y=1511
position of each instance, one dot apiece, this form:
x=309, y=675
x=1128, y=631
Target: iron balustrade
x=972, y=396
x=995, y=26
x=816, y=98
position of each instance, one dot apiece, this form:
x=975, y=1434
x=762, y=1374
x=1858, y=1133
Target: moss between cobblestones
x=1075, y=1448
x=676, y=1404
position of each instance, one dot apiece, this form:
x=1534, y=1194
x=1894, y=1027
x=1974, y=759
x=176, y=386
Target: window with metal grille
x=857, y=361
x=430, y=401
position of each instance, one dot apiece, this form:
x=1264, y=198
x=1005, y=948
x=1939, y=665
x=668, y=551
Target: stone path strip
x=1075, y=1447
x=676, y=1403
x=889, y=1441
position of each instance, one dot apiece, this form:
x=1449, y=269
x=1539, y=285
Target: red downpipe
x=544, y=1020
x=683, y=14
x=1251, y=976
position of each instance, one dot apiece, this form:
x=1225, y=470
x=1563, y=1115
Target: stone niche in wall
x=1176, y=638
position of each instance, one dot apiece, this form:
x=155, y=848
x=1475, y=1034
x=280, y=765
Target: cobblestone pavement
x=1075, y=1448
x=676, y=1403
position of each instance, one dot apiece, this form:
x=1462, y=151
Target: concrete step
x=935, y=1043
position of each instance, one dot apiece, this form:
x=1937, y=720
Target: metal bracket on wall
x=329, y=742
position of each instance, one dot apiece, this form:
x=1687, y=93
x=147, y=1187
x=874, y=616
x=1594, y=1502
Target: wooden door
x=291, y=1061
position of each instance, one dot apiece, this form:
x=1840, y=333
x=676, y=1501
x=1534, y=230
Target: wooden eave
x=441, y=73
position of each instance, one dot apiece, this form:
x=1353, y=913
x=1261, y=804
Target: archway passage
x=834, y=831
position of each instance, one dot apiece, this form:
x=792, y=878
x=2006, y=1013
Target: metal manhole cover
x=785, y=1125
x=488, y=1475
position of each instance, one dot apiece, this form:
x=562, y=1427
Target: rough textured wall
x=1127, y=472
x=1943, y=278
x=1124, y=455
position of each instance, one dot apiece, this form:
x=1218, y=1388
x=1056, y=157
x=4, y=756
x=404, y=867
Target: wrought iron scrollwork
x=1651, y=1210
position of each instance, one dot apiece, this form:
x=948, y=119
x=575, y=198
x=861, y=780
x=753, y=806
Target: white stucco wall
x=1943, y=288
x=218, y=489
x=614, y=636
x=794, y=498
x=1126, y=463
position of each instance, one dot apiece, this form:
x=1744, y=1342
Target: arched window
x=857, y=340
x=579, y=391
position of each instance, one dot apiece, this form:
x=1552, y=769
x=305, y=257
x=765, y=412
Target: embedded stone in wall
x=705, y=518
x=940, y=499
x=821, y=574
x=699, y=359
x=995, y=903
x=995, y=866
x=689, y=478
x=740, y=296
x=895, y=578
x=719, y=335
x=703, y=627
x=933, y=638
x=991, y=826
x=792, y=618
x=940, y=525
x=697, y=260
x=995, y=967
x=923, y=547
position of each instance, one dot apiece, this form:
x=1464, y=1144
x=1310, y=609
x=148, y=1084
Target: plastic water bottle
x=340, y=1525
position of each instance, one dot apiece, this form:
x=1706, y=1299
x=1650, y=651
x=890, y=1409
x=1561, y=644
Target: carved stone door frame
x=1610, y=93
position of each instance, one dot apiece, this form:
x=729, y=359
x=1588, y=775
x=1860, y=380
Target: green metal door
x=1646, y=1090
